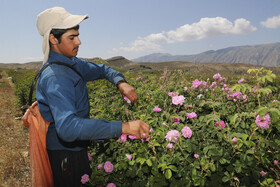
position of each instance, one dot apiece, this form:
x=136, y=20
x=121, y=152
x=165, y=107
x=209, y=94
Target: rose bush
x=217, y=131
x=204, y=133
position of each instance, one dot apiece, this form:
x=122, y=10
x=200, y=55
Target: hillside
x=192, y=68
x=121, y=63
x=264, y=55
x=29, y=65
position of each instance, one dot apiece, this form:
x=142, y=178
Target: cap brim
x=69, y=22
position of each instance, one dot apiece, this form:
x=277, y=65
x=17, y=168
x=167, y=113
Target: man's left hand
x=128, y=91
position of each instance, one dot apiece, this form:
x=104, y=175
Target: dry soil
x=14, y=157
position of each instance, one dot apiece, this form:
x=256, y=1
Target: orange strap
x=40, y=168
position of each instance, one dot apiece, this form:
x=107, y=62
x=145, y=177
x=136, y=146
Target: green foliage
x=22, y=80
x=263, y=77
x=220, y=161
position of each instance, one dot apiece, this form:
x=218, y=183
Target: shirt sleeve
x=69, y=126
x=94, y=71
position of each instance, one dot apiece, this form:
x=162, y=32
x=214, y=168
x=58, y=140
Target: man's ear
x=53, y=40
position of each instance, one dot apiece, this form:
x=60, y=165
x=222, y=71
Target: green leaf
x=173, y=168
x=262, y=111
x=233, y=119
x=193, y=172
x=149, y=162
x=269, y=79
x=244, y=136
x=168, y=174
x=263, y=79
x=225, y=179
x=203, y=162
x=163, y=166
x=238, y=168
x=205, y=150
x=156, y=144
x=213, y=167
x=275, y=113
x=235, y=87
x=268, y=182
x=223, y=161
x=140, y=160
x=250, y=151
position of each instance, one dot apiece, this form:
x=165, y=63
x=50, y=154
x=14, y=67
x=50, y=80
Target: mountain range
x=263, y=55
x=230, y=61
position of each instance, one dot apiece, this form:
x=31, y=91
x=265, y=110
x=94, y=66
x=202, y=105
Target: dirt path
x=14, y=158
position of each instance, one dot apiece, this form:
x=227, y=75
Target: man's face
x=69, y=44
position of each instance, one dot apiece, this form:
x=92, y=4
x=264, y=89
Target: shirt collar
x=56, y=57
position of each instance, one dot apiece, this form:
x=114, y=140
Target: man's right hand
x=138, y=128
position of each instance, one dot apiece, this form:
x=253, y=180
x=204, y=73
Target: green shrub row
x=240, y=154
x=232, y=141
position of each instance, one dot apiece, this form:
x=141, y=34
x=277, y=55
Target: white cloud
x=205, y=28
x=242, y=26
x=272, y=23
x=140, y=45
x=159, y=37
x=210, y=27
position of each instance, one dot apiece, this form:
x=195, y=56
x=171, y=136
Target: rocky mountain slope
x=264, y=55
x=121, y=63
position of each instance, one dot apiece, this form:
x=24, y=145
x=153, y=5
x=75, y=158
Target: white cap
x=55, y=18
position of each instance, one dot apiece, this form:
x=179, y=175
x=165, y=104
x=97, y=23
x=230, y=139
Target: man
x=63, y=98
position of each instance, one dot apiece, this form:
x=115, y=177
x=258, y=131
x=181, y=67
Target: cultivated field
x=232, y=141
x=14, y=159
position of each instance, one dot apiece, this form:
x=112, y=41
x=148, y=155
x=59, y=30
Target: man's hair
x=57, y=33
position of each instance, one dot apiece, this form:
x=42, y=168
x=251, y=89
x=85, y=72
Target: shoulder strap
x=40, y=72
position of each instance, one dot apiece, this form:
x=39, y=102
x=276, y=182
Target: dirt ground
x=14, y=157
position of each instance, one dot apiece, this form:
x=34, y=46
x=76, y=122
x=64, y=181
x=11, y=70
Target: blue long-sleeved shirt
x=63, y=100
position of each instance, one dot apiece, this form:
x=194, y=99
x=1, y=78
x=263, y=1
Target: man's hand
x=128, y=91
x=138, y=128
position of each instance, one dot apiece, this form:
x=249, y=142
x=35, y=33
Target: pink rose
x=139, y=78
x=111, y=185
x=99, y=166
x=217, y=76
x=132, y=137
x=157, y=109
x=263, y=122
x=196, y=83
x=84, y=179
x=263, y=173
x=187, y=132
x=241, y=80
x=127, y=100
x=178, y=100
x=191, y=115
x=221, y=124
x=128, y=156
x=122, y=138
x=170, y=145
x=176, y=120
x=108, y=167
x=172, y=135
x=89, y=157
x=172, y=94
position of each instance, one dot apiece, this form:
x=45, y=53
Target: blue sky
x=133, y=28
